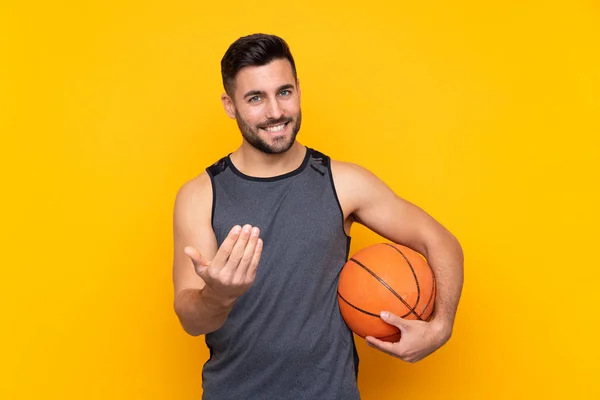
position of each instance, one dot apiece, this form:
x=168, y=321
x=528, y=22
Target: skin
x=208, y=279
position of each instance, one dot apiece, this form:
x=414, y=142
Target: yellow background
x=485, y=114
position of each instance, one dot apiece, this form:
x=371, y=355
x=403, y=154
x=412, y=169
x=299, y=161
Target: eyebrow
x=263, y=93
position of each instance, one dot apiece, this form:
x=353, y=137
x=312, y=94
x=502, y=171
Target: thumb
x=196, y=257
x=395, y=320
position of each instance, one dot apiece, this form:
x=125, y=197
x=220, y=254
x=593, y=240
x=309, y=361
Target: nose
x=274, y=111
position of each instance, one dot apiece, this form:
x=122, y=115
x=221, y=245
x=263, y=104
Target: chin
x=277, y=146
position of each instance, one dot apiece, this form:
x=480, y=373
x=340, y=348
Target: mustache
x=273, y=122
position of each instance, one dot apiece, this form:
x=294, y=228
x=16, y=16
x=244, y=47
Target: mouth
x=275, y=129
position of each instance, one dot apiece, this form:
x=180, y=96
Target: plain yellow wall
x=485, y=114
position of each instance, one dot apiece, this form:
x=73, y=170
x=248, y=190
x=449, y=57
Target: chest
x=295, y=209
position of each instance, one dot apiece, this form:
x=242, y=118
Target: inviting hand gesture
x=233, y=269
x=419, y=338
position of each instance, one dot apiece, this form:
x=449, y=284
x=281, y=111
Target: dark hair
x=253, y=50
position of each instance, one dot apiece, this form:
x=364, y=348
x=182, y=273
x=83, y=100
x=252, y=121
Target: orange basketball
x=385, y=277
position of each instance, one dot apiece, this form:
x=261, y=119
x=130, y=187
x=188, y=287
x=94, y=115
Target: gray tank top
x=285, y=337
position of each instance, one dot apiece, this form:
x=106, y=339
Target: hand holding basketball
x=418, y=340
x=233, y=269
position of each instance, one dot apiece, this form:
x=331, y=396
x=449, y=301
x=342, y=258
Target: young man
x=261, y=236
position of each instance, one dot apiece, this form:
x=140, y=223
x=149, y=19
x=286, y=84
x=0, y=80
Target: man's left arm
x=373, y=204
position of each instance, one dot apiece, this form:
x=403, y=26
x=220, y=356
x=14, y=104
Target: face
x=266, y=106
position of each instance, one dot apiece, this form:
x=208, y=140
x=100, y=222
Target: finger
x=386, y=347
x=227, y=246
x=238, y=249
x=242, y=268
x=255, y=260
x=395, y=320
x=195, y=256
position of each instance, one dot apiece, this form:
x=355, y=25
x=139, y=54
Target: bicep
x=192, y=227
x=397, y=220
x=380, y=209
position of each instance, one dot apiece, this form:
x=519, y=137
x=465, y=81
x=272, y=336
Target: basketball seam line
x=411, y=310
x=359, y=309
x=369, y=314
x=412, y=270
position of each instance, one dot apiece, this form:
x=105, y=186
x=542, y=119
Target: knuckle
x=213, y=274
x=212, y=277
x=227, y=278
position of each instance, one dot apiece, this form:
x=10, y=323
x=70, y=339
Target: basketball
x=385, y=277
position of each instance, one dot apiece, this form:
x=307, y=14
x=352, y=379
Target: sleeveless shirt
x=285, y=337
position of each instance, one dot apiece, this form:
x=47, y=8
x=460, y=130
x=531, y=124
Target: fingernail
x=237, y=229
x=254, y=231
x=246, y=228
x=385, y=314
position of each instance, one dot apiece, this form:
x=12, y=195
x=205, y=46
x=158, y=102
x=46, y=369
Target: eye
x=285, y=92
x=254, y=99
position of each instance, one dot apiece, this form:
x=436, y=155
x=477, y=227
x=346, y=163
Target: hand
x=418, y=338
x=233, y=269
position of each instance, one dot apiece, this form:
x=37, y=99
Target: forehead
x=265, y=77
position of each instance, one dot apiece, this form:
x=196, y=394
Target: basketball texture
x=385, y=277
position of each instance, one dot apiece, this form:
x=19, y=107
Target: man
x=261, y=236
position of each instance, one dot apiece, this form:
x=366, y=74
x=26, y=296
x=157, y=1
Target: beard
x=280, y=144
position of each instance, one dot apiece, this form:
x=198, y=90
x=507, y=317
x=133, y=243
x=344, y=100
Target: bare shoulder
x=194, y=197
x=193, y=208
x=345, y=172
x=353, y=184
x=353, y=177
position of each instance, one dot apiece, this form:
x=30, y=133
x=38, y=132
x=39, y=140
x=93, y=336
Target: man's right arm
x=199, y=310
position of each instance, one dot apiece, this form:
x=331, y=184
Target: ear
x=228, y=105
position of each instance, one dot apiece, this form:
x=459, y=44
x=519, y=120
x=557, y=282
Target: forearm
x=199, y=312
x=445, y=256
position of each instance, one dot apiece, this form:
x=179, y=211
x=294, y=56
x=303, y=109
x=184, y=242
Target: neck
x=253, y=162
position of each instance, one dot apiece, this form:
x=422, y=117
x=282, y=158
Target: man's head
x=262, y=91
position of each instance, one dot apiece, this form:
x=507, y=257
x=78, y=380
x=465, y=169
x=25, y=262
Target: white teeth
x=275, y=128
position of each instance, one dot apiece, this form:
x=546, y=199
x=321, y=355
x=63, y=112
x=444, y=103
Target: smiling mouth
x=275, y=128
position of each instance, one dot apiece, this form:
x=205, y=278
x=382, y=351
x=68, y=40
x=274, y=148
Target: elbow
x=443, y=244
x=457, y=248
x=454, y=253
x=192, y=332
x=185, y=321
x=188, y=326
